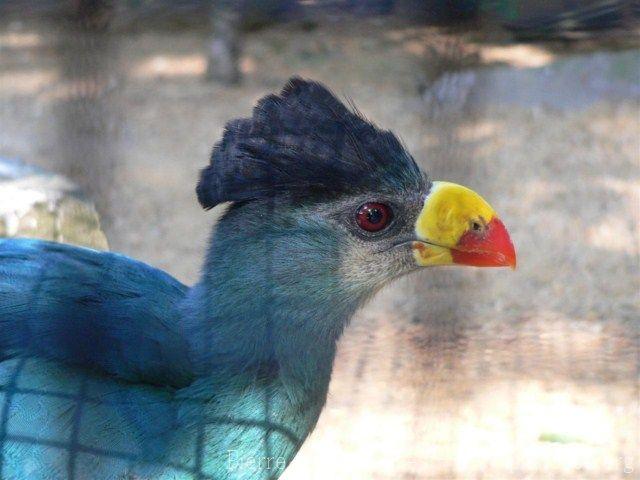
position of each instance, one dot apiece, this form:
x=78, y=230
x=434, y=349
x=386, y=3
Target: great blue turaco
x=112, y=369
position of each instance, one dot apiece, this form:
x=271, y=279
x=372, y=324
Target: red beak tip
x=494, y=249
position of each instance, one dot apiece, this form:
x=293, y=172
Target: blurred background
x=108, y=109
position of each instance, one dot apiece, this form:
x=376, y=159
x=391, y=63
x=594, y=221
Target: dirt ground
x=448, y=374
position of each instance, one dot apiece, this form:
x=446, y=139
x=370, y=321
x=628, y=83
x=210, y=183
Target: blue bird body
x=96, y=380
x=91, y=308
x=111, y=369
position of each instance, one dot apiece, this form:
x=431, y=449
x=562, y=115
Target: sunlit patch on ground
x=20, y=40
x=27, y=82
x=520, y=56
x=161, y=66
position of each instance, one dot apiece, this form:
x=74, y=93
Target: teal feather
x=111, y=369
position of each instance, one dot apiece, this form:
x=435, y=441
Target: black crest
x=302, y=142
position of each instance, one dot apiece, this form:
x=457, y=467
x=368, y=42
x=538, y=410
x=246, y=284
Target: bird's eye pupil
x=373, y=216
x=476, y=226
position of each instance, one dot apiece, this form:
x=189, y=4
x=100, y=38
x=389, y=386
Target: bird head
x=340, y=199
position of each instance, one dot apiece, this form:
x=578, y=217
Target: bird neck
x=264, y=356
x=235, y=331
x=263, y=322
x=269, y=303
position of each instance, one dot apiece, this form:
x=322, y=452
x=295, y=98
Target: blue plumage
x=97, y=379
x=92, y=309
x=111, y=369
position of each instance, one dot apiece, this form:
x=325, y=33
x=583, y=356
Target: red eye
x=373, y=216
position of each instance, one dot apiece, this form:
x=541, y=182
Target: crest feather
x=300, y=142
